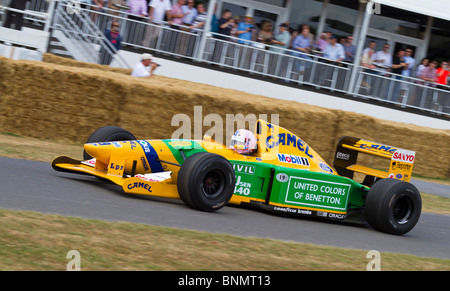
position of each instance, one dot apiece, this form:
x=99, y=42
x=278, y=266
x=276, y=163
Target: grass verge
x=36, y=241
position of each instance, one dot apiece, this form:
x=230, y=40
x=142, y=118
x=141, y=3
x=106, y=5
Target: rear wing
x=348, y=148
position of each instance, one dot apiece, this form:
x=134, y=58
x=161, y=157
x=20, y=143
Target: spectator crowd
x=191, y=15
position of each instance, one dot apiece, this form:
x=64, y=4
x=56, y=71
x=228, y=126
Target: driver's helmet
x=243, y=141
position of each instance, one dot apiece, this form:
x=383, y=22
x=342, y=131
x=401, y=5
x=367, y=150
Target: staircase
x=56, y=47
x=75, y=35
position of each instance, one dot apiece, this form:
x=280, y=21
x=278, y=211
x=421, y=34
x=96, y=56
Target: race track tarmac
x=29, y=185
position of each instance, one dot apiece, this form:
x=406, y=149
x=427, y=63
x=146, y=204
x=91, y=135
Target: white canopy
x=435, y=8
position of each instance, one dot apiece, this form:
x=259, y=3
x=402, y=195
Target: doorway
x=397, y=42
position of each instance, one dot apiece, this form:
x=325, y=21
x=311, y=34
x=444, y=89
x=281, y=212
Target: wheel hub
x=402, y=209
x=213, y=184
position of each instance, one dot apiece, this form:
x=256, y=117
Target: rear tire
x=206, y=181
x=393, y=206
x=108, y=133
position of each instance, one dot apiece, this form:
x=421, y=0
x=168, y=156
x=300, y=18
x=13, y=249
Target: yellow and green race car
x=283, y=175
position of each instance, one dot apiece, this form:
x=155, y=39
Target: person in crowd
x=302, y=43
x=200, y=19
x=114, y=9
x=334, y=51
x=214, y=21
x=190, y=12
x=398, y=62
x=226, y=24
x=114, y=41
x=141, y=71
x=15, y=18
x=429, y=73
x=237, y=21
x=370, y=46
x=367, y=61
x=97, y=5
x=398, y=65
x=349, y=49
x=185, y=42
x=281, y=39
x=177, y=40
x=245, y=30
x=158, y=10
x=138, y=11
x=383, y=58
x=410, y=61
x=310, y=35
x=322, y=42
x=442, y=73
x=137, y=8
x=265, y=34
x=294, y=33
x=279, y=44
x=177, y=14
x=423, y=64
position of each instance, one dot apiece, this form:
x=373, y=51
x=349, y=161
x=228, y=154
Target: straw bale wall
x=67, y=100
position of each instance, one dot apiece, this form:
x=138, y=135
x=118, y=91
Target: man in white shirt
x=383, y=58
x=141, y=71
x=158, y=9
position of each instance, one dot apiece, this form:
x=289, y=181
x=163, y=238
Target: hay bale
x=68, y=100
x=53, y=59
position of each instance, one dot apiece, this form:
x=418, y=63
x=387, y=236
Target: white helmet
x=243, y=141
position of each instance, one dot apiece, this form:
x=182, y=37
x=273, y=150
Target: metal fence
x=264, y=60
x=402, y=91
x=35, y=8
x=255, y=58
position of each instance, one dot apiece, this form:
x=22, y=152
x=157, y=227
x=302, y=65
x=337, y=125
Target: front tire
x=206, y=181
x=108, y=133
x=393, y=206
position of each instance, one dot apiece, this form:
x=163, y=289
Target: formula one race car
x=283, y=175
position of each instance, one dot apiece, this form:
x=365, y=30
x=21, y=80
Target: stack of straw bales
x=65, y=99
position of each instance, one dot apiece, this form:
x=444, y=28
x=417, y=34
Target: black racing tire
x=393, y=206
x=206, y=181
x=108, y=133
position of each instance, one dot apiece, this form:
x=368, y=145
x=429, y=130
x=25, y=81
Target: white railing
x=403, y=91
x=279, y=63
x=35, y=10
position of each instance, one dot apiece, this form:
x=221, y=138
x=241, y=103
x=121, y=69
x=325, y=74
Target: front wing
x=157, y=184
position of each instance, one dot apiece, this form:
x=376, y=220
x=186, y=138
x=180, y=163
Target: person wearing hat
x=245, y=29
x=140, y=70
